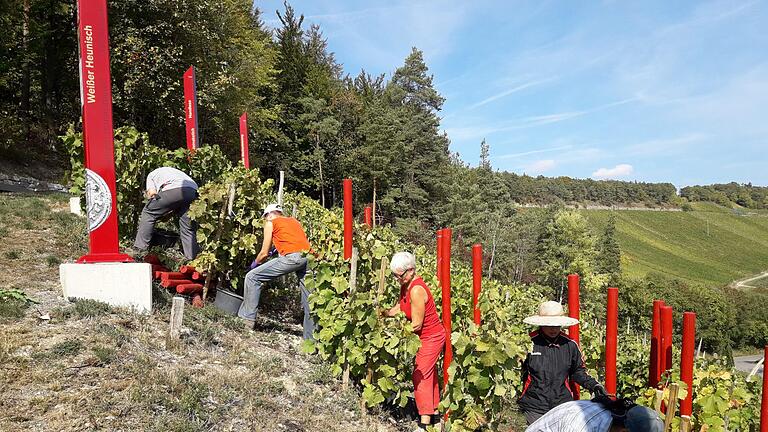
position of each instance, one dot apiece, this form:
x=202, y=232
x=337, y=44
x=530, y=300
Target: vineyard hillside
x=710, y=244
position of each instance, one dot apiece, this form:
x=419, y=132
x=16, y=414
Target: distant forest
x=745, y=195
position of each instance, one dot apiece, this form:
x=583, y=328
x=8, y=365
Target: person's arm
x=393, y=311
x=151, y=188
x=264, y=252
x=418, y=304
x=578, y=372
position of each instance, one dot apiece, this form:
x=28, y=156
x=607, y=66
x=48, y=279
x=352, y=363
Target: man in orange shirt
x=292, y=245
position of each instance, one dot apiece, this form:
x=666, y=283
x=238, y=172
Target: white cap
x=272, y=207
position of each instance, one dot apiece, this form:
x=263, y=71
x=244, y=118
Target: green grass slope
x=711, y=245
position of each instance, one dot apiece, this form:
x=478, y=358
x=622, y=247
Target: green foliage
x=135, y=158
x=729, y=195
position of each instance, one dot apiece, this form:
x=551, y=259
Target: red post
x=347, y=219
x=666, y=338
x=764, y=406
x=477, y=279
x=190, y=109
x=96, y=103
x=440, y=256
x=368, y=216
x=244, y=140
x=686, y=361
x=611, y=339
x=573, y=312
x=654, y=364
x=446, y=297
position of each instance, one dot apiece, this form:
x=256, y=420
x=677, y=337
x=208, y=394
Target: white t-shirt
x=575, y=416
x=166, y=178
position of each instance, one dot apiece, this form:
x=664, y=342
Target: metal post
x=347, y=218
x=98, y=136
x=477, y=279
x=190, y=109
x=611, y=339
x=654, y=365
x=446, y=298
x=368, y=216
x=764, y=406
x=686, y=361
x=244, y=140
x=666, y=338
x=573, y=312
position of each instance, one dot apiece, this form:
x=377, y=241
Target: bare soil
x=81, y=366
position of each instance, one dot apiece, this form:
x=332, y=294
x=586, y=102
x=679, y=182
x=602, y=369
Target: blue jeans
x=272, y=269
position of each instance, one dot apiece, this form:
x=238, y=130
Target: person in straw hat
x=553, y=362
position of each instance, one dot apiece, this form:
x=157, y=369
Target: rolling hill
x=712, y=245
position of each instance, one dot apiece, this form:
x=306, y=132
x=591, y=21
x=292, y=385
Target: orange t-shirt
x=289, y=236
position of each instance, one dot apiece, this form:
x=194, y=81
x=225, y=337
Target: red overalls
x=432, y=335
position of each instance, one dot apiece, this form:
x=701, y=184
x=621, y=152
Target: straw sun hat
x=551, y=314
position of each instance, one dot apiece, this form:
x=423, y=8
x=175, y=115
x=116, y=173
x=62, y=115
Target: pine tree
x=609, y=254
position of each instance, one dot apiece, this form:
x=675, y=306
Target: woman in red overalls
x=419, y=307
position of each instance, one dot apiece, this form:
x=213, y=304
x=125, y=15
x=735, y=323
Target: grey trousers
x=272, y=269
x=173, y=200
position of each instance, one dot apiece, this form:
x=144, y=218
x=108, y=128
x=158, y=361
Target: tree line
x=730, y=194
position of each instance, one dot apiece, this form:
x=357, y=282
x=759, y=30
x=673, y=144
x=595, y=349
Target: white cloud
x=620, y=170
x=526, y=153
x=540, y=166
x=508, y=92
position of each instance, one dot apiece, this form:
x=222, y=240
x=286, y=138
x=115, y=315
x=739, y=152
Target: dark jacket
x=548, y=370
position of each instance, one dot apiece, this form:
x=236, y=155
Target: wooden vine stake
x=379, y=293
x=674, y=388
x=352, y=291
x=685, y=423
x=177, y=317
x=658, y=400
x=280, y=189
x=227, y=206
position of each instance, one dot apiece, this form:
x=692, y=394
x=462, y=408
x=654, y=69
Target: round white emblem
x=98, y=199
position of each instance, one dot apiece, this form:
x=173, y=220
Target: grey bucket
x=228, y=301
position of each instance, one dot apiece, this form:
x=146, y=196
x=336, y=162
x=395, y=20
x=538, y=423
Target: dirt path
x=743, y=283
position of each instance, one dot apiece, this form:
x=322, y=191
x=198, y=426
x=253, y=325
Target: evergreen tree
x=608, y=258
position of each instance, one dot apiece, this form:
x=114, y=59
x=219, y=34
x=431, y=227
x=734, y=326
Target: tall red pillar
x=347, y=218
x=477, y=279
x=98, y=136
x=654, y=363
x=666, y=338
x=686, y=360
x=611, y=339
x=764, y=405
x=368, y=216
x=573, y=312
x=440, y=255
x=190, y=109
x=446, y=300
x=244, y=152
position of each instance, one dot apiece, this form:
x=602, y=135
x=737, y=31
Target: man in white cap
x=600, y=415
x=553, y=362
x=292, y=245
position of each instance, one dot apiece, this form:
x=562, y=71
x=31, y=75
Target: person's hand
x=600, y=391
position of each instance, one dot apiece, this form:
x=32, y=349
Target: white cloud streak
x=620, y=170
x=540, y=166
x=510, y=91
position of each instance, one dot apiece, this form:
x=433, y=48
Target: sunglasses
x=400, y=276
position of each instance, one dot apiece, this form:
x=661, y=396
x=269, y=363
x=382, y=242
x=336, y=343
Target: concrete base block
x=118, y=284
x=74, y=206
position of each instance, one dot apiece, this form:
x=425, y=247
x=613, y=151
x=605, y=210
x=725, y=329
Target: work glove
x=253, y=265
x=600, y=391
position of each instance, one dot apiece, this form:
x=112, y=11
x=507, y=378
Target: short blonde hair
x=402, y=261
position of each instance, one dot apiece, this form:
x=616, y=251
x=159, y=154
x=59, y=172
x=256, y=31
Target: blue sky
x=654, y=91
